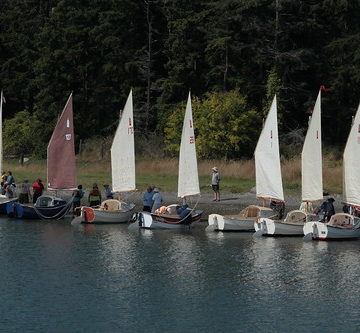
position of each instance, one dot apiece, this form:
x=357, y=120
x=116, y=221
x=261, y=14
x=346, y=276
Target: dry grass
x=237, y=176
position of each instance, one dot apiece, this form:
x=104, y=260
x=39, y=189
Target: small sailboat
x=122, y=172
x=188, y=184
x=268, y=181
x=3, y=198
x=344, y=225
x=61, y=172
x=311, y=181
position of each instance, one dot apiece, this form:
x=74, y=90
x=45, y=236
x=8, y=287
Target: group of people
x=23, y=190
x=94, y=197
x=152, y=199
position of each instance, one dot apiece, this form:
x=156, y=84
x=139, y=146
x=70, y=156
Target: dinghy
x=61, y=172
x=268, y=181
x=188, y=185
x=122, y=173
x=344, y=225
x=46, y=207
x=311, y=181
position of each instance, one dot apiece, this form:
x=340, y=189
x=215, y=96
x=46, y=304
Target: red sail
x=61, y=168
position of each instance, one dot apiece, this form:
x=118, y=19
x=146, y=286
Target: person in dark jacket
x=328, y=208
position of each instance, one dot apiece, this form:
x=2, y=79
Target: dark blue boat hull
x=20, y=211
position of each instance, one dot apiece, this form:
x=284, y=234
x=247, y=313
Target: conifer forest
x=233, y=55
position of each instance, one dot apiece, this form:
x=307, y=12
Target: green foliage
x=20, y=134
x=225, y=126
x=100, y=49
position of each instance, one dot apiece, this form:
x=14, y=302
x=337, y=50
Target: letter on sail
x=123, y=151
x=188, y=182
x=61, y=152
x=267, y=159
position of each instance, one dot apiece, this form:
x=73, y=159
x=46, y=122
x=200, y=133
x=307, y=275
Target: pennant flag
x=324, y=89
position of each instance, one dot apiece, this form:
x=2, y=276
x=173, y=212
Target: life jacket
x=38, y=188
x=95, y=195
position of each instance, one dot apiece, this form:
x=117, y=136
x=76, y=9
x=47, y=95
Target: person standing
x=215, y=183
x=77, y=195
x=23, y=189
x=10, y=179
x=328, y=208
x=148, y=199
x=157, y=199
x=94, y=196
x=107, y=192
x=38, y=189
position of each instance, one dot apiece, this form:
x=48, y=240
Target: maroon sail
x=61, y=152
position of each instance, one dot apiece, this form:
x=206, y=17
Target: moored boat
x=341, y=226
x=344, y=225
x=311, y=181
x=122, y=173
x=46, y=207
x=244, y=221
x=268, y=181
x=179, y=216
x=110, y=211
x=61, y=172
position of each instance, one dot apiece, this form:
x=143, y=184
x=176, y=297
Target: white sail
x=311, y=158
x=267, y=159
x=351, y=163
x=1, y=149
x=123, y=151
x=188, y=183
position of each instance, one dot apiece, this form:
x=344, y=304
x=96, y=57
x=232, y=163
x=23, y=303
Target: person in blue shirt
x=158, y=200
x=77, y=196
x=107, y=192
x=148, y=199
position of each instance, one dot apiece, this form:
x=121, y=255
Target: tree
x=21, y=134
x=225, y=126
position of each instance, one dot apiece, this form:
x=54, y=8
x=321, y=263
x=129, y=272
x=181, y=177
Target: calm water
x=59, y=278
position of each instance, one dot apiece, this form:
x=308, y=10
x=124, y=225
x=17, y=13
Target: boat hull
x=3, y=203
x=269, y=227
x=322, y=231
x=20, y=211
x=103, y=216
x=147, y=220
x=223, y=223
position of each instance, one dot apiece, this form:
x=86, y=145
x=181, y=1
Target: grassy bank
x=236, y=176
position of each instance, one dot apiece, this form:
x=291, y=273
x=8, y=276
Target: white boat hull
x=222, y=223
x=146, y=221
x=105, y=217
x=322, y=231
x=269, y=227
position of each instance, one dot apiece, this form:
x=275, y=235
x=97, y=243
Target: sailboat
x=311, y=181
x=188, y=184
x=122, y=172
x=61, y=172
x=344, y=225
x=268, y=181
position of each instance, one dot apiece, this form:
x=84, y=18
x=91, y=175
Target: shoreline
x=231, y=203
